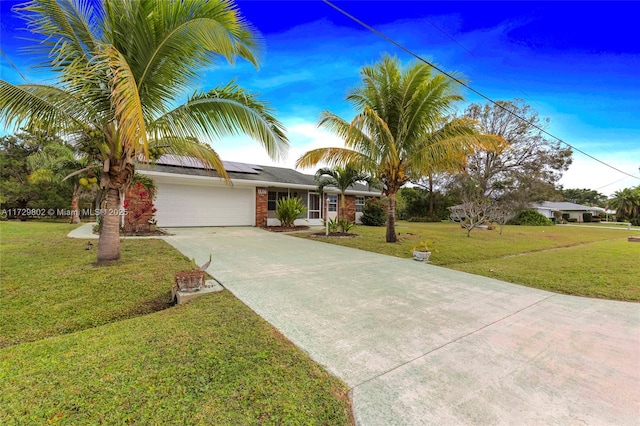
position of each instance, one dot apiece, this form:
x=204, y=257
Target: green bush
x=587, y=217
x=530, y=218
x=414, y=203
x=288, y=209
x=333, y=225
x=572, y=220
x=345, y=225
x=374, y=213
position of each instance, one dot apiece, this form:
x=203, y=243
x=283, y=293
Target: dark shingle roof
x=250, y=172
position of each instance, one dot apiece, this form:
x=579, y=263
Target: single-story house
x=189, y=194
x=575, y=211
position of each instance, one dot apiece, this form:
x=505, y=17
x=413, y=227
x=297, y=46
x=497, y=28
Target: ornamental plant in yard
x=288, y=209
x=530, y=218
x=374, y=212
x=140, y=208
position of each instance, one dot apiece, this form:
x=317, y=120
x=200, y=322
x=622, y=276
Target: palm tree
x=627, y=203
x=398, y=134
x=122, y=69
x=54, y=164
x=341, y=178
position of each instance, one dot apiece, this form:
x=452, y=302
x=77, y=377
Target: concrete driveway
x=418, y=344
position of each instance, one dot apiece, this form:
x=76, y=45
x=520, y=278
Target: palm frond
x=334, y=157
x=183, y=148
x=225, y=111
x=128, y=110
x=65, y=30
x=169, y=43
x=46, y=107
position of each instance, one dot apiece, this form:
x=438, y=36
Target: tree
x=627, y=204
x=121, y=68
x=472, y=213
x=54, y=164
x=529, y=166
x=587, y=197
x=397, y=134
x=18, y=191
x=341, y=178
x=422, y=204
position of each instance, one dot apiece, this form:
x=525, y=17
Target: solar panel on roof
x=232, y=166
x=229, y=166
x=179, y=160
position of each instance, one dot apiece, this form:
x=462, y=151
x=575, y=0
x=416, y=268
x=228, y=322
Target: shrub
x=414, y=203
x=374, y=213
x=530, y=218
x=345, y=225
x=288, y=209
x=587, y=217
x=333, y=225
x=565, y=216
x=572, y=220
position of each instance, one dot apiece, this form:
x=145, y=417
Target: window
x=271, y=200
x=359, y=204
x=333, y=203
x=272, y=197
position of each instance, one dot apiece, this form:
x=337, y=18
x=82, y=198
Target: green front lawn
x=82, y=344
x=50, y=286
x=593, y=262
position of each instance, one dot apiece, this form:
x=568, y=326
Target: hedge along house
x=189, y=194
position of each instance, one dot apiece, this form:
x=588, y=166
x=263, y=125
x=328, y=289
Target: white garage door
x=191, y=205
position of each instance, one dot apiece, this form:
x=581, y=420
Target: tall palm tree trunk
x=342, y=206
x=109, y=241
x=391, y=218
x=75, y=210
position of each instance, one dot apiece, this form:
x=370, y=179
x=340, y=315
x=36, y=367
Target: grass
x=50, y=286
x=77, y=350
x=603, y=269
x=594, y=262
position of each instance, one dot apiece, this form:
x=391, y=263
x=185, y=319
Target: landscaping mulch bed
x=334, y=235
x=156, y=233
x=285, y=229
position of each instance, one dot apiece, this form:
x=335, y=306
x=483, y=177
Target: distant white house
x=575, y=211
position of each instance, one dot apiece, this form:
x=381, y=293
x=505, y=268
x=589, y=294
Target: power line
x=473, y=55
x=609, y=184
x=462, y=83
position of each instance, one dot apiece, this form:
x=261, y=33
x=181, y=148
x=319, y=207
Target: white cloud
x=303, y=136
x=587, y=173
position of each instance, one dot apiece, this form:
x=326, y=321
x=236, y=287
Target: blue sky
x=577, y=63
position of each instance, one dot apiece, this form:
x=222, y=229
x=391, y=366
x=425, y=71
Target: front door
x=314, y=206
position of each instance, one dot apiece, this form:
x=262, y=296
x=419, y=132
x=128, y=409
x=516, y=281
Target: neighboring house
x=190, y=195
x=575, y=211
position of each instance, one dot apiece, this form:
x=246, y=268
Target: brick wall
x=261, y=206
x=350, y=207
